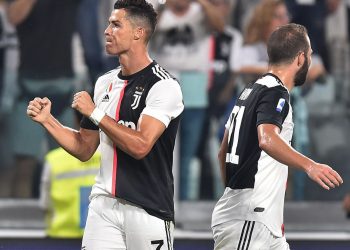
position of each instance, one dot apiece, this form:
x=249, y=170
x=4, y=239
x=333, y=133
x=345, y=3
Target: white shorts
x=113, y=224
x=246, y=235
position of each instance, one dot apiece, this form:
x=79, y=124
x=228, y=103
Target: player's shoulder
x=108, y=75
x=271, y=82
x=158, y=74
x=107, y=78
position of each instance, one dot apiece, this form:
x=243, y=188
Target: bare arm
x=271, y=142
x=215, y=18
x=222, y=156
x=136, y=143
x=19, y=10
x=82, y=144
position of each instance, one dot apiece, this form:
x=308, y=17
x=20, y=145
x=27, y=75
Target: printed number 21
x=158, y=242
x=237, y=114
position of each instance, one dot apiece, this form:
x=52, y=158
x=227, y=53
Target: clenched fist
x=39, y=109
x=83, y=103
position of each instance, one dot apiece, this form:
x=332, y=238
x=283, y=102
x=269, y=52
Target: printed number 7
x=160, y=243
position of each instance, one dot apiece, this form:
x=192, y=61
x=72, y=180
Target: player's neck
x=133, y=63
x=284, y=75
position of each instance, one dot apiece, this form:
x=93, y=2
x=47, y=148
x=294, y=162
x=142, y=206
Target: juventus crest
x=137, y=97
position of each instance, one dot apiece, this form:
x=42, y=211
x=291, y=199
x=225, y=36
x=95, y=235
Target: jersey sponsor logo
x=245, y=94
x=280, y=104
x=137, y=97
x=127, y=124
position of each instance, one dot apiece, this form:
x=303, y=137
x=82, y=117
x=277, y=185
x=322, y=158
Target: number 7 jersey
x=255, y=182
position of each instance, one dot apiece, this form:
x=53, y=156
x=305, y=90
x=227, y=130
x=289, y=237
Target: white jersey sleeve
x=164, y=101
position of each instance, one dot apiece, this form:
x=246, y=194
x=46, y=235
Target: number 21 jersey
x=255, y=182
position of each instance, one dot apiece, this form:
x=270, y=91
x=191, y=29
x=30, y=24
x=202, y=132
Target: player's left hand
x=83, y=103
x=324, y=175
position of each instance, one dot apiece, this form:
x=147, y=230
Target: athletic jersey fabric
x=255, y=182
x=147, y=182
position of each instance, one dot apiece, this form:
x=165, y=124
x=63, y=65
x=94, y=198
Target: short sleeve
x=164, y=101
x=273, y=106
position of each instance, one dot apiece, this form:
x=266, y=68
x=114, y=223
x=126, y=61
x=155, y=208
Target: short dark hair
x=286, y=42
x=140, y=11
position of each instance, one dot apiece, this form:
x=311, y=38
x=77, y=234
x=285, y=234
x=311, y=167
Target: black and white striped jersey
x=255, y=182
x=147, y=182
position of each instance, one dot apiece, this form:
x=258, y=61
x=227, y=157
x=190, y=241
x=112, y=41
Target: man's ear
x=139, y=33
x=301, y=59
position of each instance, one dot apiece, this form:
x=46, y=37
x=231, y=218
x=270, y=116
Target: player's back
x=255, y=182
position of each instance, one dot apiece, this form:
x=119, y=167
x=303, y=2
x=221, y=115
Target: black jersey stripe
x=250, y=235
x=242, y=233
x=246, y=235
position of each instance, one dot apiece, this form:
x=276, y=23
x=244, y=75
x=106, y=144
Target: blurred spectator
x=88, y=29
x=312, y=14
x=8, y=74
x=339, y=48
x=88, y=26
x=266, y=17
x=226, y=47
x=241, y=11
x=105, y=8
x=181, y=43
x=66, y=184
x=44, y=29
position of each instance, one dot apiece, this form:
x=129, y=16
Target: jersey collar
x=137, y=73
x=276, y=77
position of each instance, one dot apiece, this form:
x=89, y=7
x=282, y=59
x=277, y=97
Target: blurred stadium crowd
x=214, y=47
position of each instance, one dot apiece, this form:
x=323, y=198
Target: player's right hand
x=324, y=175
x=39, y=109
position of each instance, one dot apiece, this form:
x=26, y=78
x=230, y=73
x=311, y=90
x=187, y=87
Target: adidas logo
x=106, y=98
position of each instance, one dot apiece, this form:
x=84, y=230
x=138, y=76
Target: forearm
x=69, y=139
x=215, y=18
x=19, y=10
x=280, y=150
x=126, y=139
x=271, y=142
